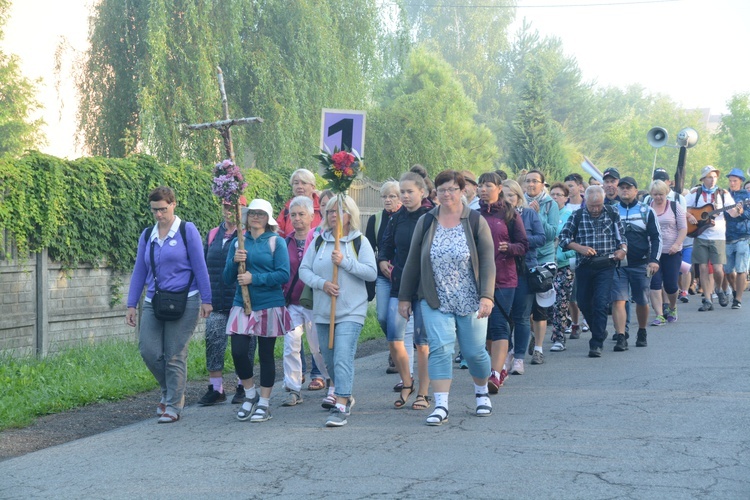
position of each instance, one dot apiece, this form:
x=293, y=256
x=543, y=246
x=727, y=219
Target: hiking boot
x=707, y=306
x=672, y=315
x=239, y=395
x=659, y=321
x=641, y=340
x=596, y=352
x=684, y=297
x=723, y=300
x=575, y=332
x=336, y=418
x=211, y=397
x=736, y=304
x=537, y=358
x=622, y=342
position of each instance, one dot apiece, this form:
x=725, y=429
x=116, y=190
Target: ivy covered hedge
x=93, y=209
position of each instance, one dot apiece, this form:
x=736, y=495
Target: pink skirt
x=272, y=322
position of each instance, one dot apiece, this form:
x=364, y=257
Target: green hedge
x=91, y=210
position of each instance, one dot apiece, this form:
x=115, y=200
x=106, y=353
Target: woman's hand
x=675, y=248
x=337, y=257
x=385, y=268
x=245, y=278
x=485, y=308
x=331, y=289
x=404, y=308
x=503, y=246
x=130, y=316
x=206, y=310
x=690, y=218
x=240, y=255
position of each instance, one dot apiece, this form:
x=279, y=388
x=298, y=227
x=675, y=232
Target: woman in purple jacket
x=509, y=239
x=179, y=260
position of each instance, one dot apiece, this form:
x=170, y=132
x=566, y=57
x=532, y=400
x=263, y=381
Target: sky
x=690, y=50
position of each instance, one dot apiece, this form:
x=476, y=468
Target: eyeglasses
x=557, y=195
x=160, y=210
x=451, y=190
x=256, y=214
x=533, y=181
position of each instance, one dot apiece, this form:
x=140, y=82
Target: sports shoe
x=463, y=364
x=503, y=376
x=248, y=407
x=684, y=297
x=596, y=352
x=672, y=315
x=622, y=342
x=723, y=300
x=736, y=304
x=568, y=330
x=707, y=306
x=329, y=402
x=575, y=332
x=458, y=358
x=557, y=347
x=391, y=366
x=493, y=383
x=537, y=358
x=211, y=397
x=517, y=367
x=262, y=413
x=641, y=340
x=349, y=406
x=293, y=399
x=336, y=418
x=584, y=326
x=239, y=395
x=659, y=321
x=509, y=360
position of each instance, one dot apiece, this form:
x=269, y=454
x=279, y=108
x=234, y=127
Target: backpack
x=357, y=242
x=183, y=233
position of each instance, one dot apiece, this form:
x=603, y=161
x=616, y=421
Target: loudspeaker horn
x=687, y=138
x=657, y=137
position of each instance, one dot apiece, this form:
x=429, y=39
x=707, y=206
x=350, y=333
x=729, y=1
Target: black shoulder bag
x=170, y=306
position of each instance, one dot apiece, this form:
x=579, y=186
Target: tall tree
x=734, y=134
x=18, y=131
x=427, y=119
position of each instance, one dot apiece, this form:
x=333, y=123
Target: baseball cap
x=469, y=176
x=707, y=170
x=611, y=172
x=546, y=299
x=737, y=173
x=660, y=175
x=628, y=180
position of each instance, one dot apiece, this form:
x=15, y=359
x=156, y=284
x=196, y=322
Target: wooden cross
x=223, y=126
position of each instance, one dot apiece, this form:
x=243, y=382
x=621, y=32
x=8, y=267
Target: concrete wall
x=45, y=309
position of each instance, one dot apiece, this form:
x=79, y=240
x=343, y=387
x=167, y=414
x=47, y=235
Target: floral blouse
x=454, y=279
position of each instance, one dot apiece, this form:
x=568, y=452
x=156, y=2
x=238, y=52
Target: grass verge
x=107, y=371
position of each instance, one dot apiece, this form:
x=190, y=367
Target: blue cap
x=737, y=173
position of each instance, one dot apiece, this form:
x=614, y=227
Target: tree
x=427, y=119
x=18, y=131
x=734, y=134
x=151, y=69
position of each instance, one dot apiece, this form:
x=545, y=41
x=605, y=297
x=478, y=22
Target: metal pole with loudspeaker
x=657, y=137
x=686, y=138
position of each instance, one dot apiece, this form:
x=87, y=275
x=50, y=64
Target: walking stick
x=335, y=278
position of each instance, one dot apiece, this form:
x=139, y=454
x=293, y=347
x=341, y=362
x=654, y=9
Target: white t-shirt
x=718, y=231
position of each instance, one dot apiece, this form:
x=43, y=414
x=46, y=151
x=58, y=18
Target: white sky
x=691, y=50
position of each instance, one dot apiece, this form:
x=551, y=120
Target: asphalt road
x=671, y=420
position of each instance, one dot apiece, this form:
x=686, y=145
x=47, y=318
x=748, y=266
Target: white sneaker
x=557, y=346
x=517, y=367
x=509, y=360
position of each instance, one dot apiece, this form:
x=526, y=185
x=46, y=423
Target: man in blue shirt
x=738, y=236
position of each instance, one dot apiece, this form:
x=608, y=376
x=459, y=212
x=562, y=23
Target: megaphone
x=686, y=138
x=658, y=136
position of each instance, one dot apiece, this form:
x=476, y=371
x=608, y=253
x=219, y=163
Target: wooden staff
x=337, y=247
x=241, y=267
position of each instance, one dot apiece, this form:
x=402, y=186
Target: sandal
x=401, y=401
x=168, y=418
x=160, y=409
x=398, y=387
x=262, y=413
x=421, y=403
x=329, y=402
x=438, y=416
x=316, y=384
x=482, y=409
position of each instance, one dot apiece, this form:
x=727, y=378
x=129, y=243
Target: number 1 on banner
x=342, y=129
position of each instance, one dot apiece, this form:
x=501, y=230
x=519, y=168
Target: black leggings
x=243, y=364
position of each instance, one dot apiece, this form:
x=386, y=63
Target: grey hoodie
x=317, y=268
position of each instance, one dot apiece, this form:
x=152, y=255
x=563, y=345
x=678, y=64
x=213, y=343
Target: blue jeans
x=522, y=302
x=397, y=323
x=594, y=288
x=382, y=297
x=164, y=349
x=442, y=331
x=340, y=360
x=631, y=281
x=498, y=327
